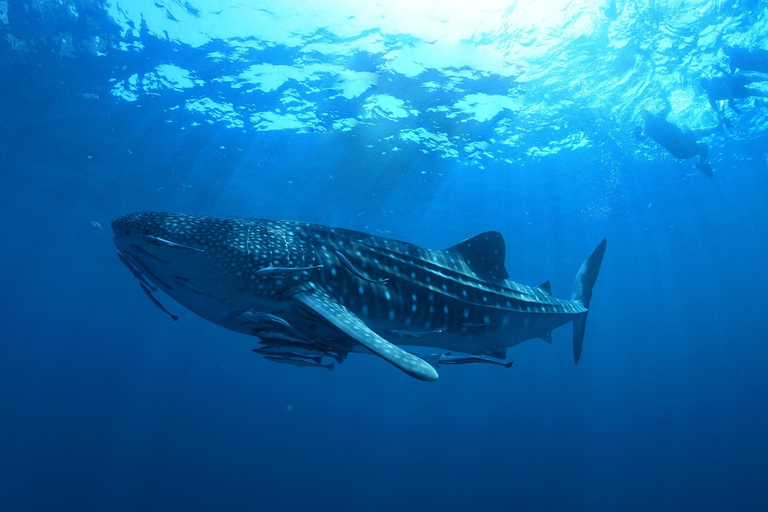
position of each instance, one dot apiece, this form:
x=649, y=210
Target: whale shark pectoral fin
x=343, y=319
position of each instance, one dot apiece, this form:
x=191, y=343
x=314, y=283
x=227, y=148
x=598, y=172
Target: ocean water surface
x=427, y=122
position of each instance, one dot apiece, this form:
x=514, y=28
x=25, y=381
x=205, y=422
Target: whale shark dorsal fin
x=347, y=322
x=484, y=254
x=546, y=286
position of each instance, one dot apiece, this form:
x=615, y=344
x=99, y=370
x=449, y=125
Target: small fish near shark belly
x=450, y=358
x=298, y=361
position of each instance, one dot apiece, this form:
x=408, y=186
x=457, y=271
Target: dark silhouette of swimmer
x=680, y=143
x=729, y=87
x=746, y=59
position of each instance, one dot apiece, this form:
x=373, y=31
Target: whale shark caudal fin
x=347, y=322
x=582, y=292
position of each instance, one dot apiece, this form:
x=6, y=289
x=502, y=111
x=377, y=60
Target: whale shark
x=309, y=290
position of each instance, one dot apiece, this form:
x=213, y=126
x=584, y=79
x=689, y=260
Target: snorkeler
x=680, y=143
x=746, y=59
x=729, y=87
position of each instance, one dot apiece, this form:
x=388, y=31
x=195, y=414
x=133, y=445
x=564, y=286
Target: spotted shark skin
x=349, y=291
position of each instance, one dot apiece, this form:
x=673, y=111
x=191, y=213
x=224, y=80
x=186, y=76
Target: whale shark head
x=214, y=267
x=198, y=261
x=194, y=234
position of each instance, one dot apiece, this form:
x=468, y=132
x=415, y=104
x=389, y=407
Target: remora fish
x=355, y=290
x=449, y=358
x=287, y=354
x=295, y=361
x=307, y=349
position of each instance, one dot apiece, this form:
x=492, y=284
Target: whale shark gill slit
x=145, y=252
x=348, y=265
x=271, y=270
x=189, y=285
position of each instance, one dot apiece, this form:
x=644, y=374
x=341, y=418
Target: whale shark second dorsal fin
x=546, y=286
x=484, y=254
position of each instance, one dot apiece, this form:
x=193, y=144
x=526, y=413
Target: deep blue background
x=107, y=405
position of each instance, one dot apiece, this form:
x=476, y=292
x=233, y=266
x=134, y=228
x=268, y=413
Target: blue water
x=420, y=121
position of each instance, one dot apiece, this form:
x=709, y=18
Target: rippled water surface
x=423, y=121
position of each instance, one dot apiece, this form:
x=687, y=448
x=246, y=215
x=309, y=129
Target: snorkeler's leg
x=756, y=92
x=706, y=132
x=751, y=79
x=703, y=165
x=667, y=107
x=703, y=151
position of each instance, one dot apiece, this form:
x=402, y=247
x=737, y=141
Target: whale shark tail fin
x=582, y=293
